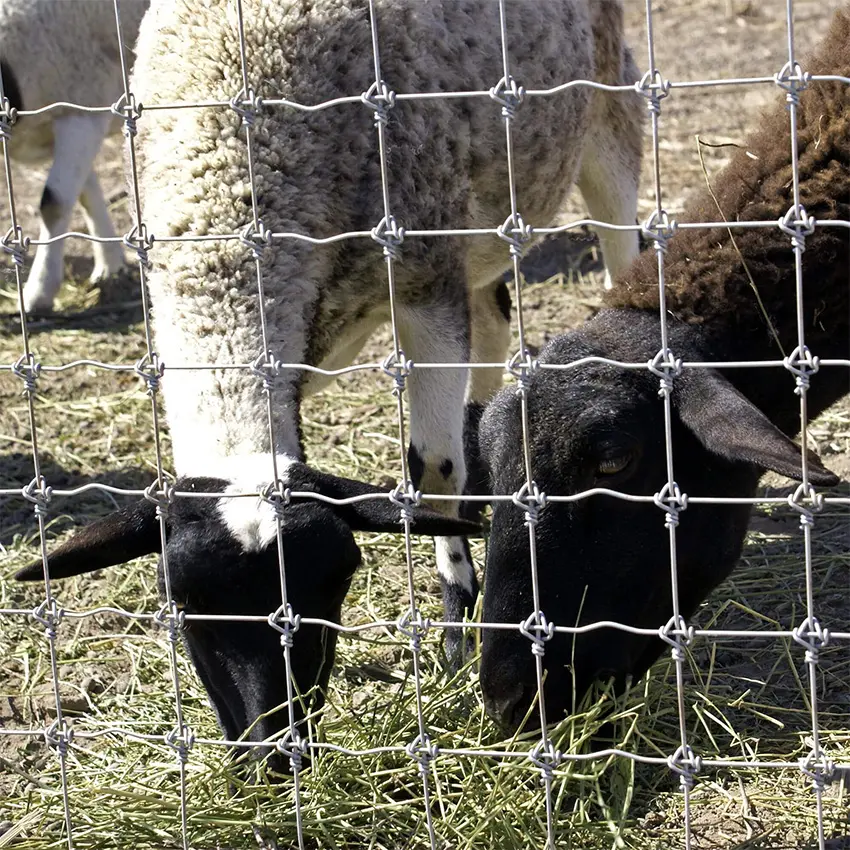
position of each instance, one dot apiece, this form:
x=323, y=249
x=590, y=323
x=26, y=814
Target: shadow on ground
x=16, y=512
x=117, y=304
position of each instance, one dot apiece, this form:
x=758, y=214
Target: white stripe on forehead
x=248, y=518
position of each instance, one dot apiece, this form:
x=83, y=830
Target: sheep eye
x=613, y=465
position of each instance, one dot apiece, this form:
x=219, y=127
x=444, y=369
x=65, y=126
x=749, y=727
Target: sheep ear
x=382, y=514
x=115, y=539
x=729, y=425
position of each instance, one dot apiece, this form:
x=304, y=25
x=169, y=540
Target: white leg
x=436, y=454
x=108, y=256
x=610, y=192
x=610, y=171
x=490, y=320
x=76, y=141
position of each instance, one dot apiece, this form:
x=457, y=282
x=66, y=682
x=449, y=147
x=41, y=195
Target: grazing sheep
x=319, y=173
x=59, y=51
x=598, y=425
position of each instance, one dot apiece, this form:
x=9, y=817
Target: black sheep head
x=600, y=557
x=223, y=559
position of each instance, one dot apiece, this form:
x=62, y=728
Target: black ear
x=119, y=537
x=729, y=425
x=382, y=514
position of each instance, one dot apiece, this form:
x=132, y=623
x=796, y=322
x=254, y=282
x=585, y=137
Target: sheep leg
x=76, y=141
x=436, y=458
x=608, y=180
x=490, y=321
x=108, y=256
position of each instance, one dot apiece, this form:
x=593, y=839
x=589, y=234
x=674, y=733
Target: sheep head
x=223, y=559
x=600, y=557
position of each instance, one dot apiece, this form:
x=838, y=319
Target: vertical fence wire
x=149, y=369
x=285, y=619
x=792, y=78
x=509, y=93
x=380, y=99
x=667, y=367
x=58, y=736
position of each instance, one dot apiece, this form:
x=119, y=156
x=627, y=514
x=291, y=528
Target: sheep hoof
x=103, y=272
x=38, y=304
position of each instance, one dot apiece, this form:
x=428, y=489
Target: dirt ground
x=95, y=425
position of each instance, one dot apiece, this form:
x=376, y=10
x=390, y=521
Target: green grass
x=744, y=700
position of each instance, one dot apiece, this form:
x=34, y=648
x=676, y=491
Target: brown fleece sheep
x=599, y=425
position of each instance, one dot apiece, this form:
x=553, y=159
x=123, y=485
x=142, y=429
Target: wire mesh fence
x=422, y=750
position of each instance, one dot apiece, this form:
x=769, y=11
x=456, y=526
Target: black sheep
x=599, y=425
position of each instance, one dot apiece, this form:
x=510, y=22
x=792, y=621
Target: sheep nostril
x=508, y=708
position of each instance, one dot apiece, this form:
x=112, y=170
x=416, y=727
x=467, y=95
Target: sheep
x=319, y=173
x=50, y=52
x=599, y=425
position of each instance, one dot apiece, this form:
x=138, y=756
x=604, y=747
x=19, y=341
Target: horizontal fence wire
x=175, y=737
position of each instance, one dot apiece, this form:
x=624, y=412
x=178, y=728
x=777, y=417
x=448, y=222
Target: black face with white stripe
x=242, y=664
x=226, y=563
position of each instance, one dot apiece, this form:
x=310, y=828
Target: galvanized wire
x=508, y=95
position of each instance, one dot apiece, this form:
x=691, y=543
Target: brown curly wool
x=706, y=281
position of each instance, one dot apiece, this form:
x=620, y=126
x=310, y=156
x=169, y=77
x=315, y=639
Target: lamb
x=50, y=52
x=599, y=425
x=319, y=173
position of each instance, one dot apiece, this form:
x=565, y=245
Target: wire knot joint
x=819, y=768
x=8, y=117
x=380, y=99
x=15, y=244
x=798, y=499
x=678, y=635
x=802, y=365
x=39, y=494
x=546, y=759
x=256, y=238
x=59, y=736
x=792, y=79
x=666, y=367
x=659, y=229
x=812, y=637
x=654, y=88
x=139, y=242
x=516, y=233
x=531, y=499
x=672, y=501
x=797, y=224
x=267, y=369
x=49, y=615
x=285, y=621
x=687, y=764
x=172, y=618
x=522, y=367
x=27, y=368
x=414, y=626
x=128, y=111
x=150, y=369
x=509, y=95
x=181, y=739
x=405, y=497
x=422, y=750
x=293, y=747
x=389, y=235
x=538, y=630
x=247, y=105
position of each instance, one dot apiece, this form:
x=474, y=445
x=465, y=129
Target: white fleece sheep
x=63, y=51
x=319, y=174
